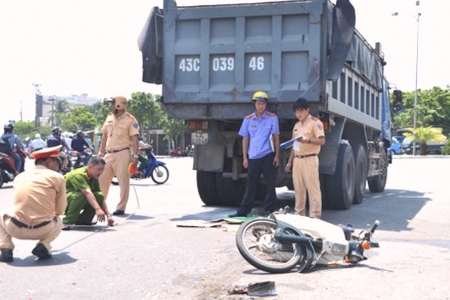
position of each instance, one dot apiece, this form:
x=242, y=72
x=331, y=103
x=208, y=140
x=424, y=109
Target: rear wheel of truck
x=206, y=186
x=360, y=174
x=377, y=183
x=230, y=191
x=340, y=187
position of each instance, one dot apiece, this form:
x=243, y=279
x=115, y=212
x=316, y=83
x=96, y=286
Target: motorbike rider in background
x=53, y=140
x=79, y=144
x=36, y=144
x=14, y=141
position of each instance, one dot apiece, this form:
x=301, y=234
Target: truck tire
x=206, y=186
x=360, y=173
x=341, y=186
x=230, y=191
x=377, y=183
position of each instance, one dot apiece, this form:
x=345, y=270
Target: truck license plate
x=199, y=138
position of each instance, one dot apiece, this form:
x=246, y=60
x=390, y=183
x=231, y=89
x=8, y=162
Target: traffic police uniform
x=305, y=172
x=40, y=197
x=259, y=131
x=119, y=132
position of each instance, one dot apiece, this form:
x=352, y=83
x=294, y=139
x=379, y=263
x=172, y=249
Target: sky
x=90, y=46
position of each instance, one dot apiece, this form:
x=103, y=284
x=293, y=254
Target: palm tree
x=62, y=107
x=424, y=135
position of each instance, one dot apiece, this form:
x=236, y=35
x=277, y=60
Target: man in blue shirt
x=261, y=154
x=13, y=140
x=79, y=144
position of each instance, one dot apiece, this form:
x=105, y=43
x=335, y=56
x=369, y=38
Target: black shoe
x=237, y=215
x=41, y=252
x=6, y=256
x=66, y=227
x=79, y=223
x=118, y=212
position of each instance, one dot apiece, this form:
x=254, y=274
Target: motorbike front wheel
x=256, y=243
x=160, y=174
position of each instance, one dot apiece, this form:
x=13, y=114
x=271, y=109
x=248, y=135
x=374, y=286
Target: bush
x=446, y=149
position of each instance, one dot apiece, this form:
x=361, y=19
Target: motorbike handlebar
x=374, y=227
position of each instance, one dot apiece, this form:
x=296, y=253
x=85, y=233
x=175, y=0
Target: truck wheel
x=361, y=174
x=230, y=191
x=377, y=183
x=341, y=186
x=206, y=186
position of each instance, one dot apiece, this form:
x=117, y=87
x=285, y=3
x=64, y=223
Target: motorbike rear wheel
x=160, y=174
x=256, y=243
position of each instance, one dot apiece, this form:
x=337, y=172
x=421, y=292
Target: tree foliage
x=145, y=108
x=433, y=109
x=424, y=135
x=100, y=110
x=79, y=118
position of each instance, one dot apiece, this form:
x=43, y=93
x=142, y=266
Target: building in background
x=46, y=104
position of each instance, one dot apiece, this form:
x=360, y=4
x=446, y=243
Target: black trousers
x=256, y=167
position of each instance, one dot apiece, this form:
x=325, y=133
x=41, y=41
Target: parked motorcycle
x=178, y=152
x=283, y=241
x=76, y=160
x=149, y=166
x=7, y=168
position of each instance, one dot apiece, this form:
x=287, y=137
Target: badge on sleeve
x=320, y=126
x=135, y=125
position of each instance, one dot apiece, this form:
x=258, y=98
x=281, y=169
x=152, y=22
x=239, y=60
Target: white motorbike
x=283, y=241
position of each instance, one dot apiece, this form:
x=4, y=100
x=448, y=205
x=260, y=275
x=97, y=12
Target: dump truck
x=211, y=59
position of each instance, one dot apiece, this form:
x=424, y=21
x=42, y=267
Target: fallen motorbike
x=283, y=241
x=149, y=167
x=7, y=168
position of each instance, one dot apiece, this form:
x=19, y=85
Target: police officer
x=304, y=158
x=258, y=130
x=119, y=131
x=40, y=197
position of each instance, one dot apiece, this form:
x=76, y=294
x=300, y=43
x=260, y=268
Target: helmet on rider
x=56, y=130
x=260, y=96
x=120, y=102
x=37, y=136
x=79, y=133
x=9, y=127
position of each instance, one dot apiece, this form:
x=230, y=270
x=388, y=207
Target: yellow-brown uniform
x=305, y=172
x=118, y=157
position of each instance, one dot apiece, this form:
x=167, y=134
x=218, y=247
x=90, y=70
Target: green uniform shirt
x=77, y=180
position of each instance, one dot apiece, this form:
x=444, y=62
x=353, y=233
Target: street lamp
x=417, y=72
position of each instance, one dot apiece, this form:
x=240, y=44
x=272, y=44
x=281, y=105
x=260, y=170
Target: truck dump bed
x=214, y=56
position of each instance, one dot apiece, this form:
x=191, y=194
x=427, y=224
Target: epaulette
x=250, y=116
x=314, y=118
x=130, y=115
x=110, y=113
x=271, y=113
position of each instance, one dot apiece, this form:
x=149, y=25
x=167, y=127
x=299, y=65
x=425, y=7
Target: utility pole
x=37, y=94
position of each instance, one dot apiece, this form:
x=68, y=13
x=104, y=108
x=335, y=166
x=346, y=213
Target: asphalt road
x=148, y=256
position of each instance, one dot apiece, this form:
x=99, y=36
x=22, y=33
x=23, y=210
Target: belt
x=23, y=225
x=307, y=155
x=115, y=151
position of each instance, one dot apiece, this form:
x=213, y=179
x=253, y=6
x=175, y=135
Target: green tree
x=433, y=109
x=424, y=135
x=145, y=108
x=173, y=129
x=100, y=110
x=23, y=128
x=79, y=118
x=60, y=109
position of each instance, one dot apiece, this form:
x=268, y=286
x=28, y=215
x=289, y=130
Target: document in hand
x=289, y=143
